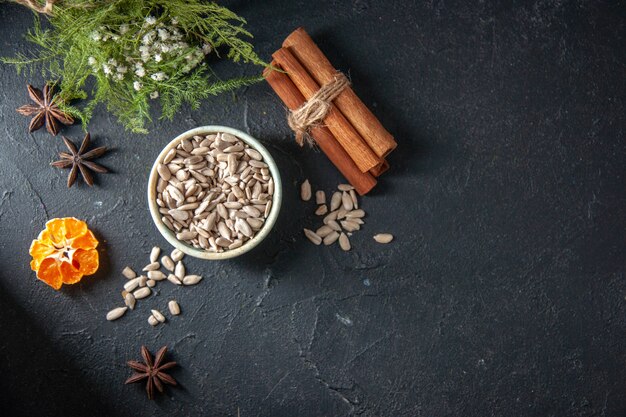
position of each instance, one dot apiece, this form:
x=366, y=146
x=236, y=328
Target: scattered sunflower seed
x=312, y=236
x=152, y=320
x=172, y=278
x=167, y=262
x=320, y=197
x=156, y=275
x=129, y=300
x=179, y=270
x=153, y=266
x=191, y=279
x=335, y=201
x=173, y=307
x=116, y=313
x=383, y=237
x=321, y=210
x=305, y=190
x=142, y=293
x=344, y=242
x=331, y=238
x=177, y=255
x=129, y=273
x=157, y=315
x=154, y=253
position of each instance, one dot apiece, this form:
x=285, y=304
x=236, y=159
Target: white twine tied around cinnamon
x=315, y=109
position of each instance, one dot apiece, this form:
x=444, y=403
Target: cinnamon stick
x=313, y=59
x=378, y=171
x=293, y=98
x=344, y=132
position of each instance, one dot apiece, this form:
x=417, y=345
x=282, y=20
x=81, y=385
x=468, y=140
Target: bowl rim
x=261, y=234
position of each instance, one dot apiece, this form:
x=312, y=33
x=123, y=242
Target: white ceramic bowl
x=261, y=234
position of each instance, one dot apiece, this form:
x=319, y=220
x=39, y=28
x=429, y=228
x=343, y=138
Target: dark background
x=503, y=293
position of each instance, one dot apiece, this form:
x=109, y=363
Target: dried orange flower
x=64, y=252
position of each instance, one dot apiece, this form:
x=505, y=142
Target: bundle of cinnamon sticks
x=351, y=136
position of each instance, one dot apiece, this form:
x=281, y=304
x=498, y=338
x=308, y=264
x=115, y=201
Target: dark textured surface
x=503, y=293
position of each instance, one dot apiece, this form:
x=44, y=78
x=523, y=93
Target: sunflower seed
x=170, y=155
x=132, y=284
x=142, y=293
x=177, y=255
x=173, y=307
x=130, y=301
x=164, y=172
x=320, y=197
x=334, y=225
x=179, y=270
x=312, y=236
x=152, y=266
x=330, y=216
x=356, y=213
x=151, y=283
x=350, y=226
x=129, y=273
x=331, y=238
x=116, y=313
x=305, y=190
x=324, y=231
x=346, y=201
x=172, y=278
x=383, y=237
x=335, y=201
x=321, y=210
x=191, y=279
x=156, y=275
x=355, y=201
x=179, y=215
x=157, y=315
x=142, y=281
x=345, y=187
x=214, y=185
x=167, y=262
x=152, y=320
x=344, y=242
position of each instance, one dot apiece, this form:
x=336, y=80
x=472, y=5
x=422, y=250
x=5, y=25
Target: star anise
x=79, y=160
x=44, y=111
x=153, y=370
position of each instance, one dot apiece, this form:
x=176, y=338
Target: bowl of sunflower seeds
x=214, y=192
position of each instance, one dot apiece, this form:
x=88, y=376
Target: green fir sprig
x=129, y=53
